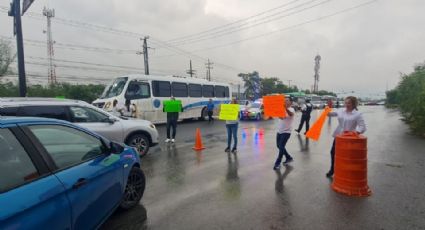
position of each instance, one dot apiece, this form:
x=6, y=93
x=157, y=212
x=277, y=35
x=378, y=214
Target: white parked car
x=137, y=133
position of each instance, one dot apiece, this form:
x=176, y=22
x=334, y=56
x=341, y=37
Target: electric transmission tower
x=316, y=73
x=208, y=65
x=191, y=72
x=50, y=13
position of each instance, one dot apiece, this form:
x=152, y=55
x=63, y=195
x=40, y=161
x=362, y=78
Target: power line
x=289, y=27
x=232, y=23
x=247, y=25
x=39, y=43
x=158, y=42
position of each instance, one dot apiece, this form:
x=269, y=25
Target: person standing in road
x=306, y=115
x=172, y=118
x=129, y=109
x=283, y=133
x=210, y=110
x=349, y=119
x=232, y=131
x=115, y=109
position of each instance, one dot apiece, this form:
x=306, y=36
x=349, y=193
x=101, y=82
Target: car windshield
x=256, y=105
x=116, y=88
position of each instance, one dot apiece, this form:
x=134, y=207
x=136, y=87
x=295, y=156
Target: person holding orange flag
x=283, y=134
x=349, y=119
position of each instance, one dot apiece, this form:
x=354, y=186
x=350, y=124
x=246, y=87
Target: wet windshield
x=116, y=88
x=256, y=105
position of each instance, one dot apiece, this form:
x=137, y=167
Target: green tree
x=409, y=96
x=252, y=84
x=6, y=57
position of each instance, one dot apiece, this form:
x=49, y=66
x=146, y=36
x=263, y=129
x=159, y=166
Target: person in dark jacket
x=306, y=115
x=172, y=118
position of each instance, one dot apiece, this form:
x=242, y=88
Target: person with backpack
x=305, y=118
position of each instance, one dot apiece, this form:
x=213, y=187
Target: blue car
x=55, y=175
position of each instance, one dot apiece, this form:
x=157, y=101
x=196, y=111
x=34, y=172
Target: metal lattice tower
x=316, y=73
x=50, y=13
x=208, y=65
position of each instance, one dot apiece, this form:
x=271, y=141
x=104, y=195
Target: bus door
x=139, y=94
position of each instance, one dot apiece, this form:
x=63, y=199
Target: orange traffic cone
x=198, y=141
x=315, y=131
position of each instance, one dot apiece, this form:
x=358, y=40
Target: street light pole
x=15, y=11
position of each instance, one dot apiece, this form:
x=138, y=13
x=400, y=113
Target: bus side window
x=226, y=92
x=161, y=88
x=195, y=90
x=179, y=89
x=219, y=91
x=208, y=91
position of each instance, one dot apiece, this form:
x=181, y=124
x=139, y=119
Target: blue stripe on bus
x=204, y=103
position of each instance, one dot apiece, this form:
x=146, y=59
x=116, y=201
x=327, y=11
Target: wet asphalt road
x=215, y=190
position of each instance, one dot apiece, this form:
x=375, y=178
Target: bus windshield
x=115, y=88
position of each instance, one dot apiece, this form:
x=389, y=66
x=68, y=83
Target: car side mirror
x=111, y=120
x=115, y=148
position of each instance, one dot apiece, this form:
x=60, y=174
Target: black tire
x=134, y=189
x=204, y=114
x=140, y=142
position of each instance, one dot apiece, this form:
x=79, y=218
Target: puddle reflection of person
x=281, y=177
x=232, y=186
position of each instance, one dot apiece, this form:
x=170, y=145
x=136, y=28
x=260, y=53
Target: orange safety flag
x=315, y=131
x=274, y=106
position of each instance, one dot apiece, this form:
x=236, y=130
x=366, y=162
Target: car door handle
x=80, y=182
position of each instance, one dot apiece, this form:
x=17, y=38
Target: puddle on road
x=394, y=165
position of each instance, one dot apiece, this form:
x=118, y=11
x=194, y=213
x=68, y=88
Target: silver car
x=137, y=133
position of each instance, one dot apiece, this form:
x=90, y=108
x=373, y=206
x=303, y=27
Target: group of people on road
x=349, y=119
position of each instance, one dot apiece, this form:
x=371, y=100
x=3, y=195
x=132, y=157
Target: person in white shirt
x=115, y=109
x=129, y=109
x=349, y=119
x=283, y=133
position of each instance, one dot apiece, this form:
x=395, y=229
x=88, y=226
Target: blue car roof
x=12, y=121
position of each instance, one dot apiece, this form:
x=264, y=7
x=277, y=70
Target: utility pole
x=191, y=72
x=289, y=83
x=145, y=53
x=316, y=73
x=50, y=13
x=15, y=12
x=208, y=65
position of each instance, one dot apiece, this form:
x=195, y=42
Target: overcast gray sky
x=363, y=49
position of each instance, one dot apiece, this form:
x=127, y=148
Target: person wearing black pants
x=305, y=118
x=283, y=134
x=172, y=118
x=349, y=119
x=210, y=110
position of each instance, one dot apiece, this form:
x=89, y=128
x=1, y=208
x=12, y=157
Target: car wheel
x=134, y=189
x=140, y=142
x=204, y=114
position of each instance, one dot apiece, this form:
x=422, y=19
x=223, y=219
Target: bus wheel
x=204, y=113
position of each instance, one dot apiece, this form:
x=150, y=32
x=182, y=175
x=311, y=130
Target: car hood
x=253, y=110
x=134, y=123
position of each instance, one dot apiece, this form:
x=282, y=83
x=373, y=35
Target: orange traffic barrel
x=350, y=176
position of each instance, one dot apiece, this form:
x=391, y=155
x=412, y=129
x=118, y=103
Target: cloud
x=362, y=50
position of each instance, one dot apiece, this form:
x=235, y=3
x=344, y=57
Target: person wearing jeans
x=210, y=110
x=232, y=131
x=283, y=134
x=172, y=118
